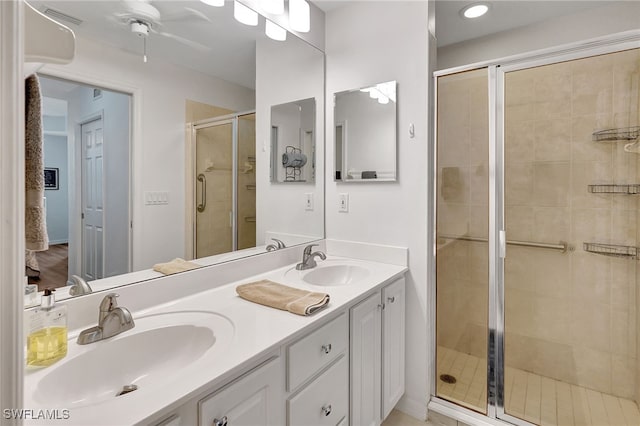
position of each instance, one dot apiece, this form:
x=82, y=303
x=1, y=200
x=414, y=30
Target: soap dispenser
x=47, y=328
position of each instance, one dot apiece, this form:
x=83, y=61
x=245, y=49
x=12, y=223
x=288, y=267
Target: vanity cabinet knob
x=326, y=410
x=221, y=422
x=326, y=349
x=391, y=299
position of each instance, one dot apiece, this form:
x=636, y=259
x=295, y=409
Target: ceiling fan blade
x=186, y=14
x=185, y=41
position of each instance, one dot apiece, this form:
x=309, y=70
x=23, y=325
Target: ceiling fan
x=144, y=18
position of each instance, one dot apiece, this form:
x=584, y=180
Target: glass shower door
x=214, y=189
x=571, y=221
x=462, y=276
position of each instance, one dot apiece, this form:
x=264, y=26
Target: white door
x=92, y=200
x=366, y=362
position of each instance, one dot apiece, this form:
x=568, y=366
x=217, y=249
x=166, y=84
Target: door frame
x=496, y=70
x=135, y=146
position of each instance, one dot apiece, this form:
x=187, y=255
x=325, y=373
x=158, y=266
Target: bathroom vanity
x=212, y=358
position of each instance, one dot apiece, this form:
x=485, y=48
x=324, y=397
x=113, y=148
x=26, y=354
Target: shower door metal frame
x=204, y=124
x=497, y=239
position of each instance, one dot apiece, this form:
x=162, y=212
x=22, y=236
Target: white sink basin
x=157, y=349
x=335, y=275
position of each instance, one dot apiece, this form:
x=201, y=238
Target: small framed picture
x=51, y=178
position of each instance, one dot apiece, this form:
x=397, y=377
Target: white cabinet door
x=365, y=361
x=393, y=344
x=253, y=400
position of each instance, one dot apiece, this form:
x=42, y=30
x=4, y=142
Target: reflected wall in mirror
x=365, y=134
x=210, y=67
x=293, y=144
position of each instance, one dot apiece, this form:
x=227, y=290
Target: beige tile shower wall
x=462, y=266
x=571, y=316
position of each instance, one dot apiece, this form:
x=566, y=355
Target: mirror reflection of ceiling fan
x=146, y=20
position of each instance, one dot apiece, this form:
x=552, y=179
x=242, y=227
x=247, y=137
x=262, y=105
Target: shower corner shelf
x=615, y=189
x=621, y=134
x=612, y=250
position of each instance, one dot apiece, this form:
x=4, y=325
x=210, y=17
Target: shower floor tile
x=537, y=399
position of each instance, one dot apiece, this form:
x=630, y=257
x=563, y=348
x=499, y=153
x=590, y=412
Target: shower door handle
x=203, y=196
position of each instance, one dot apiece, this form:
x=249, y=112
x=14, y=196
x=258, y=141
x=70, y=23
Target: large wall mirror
x=183, y=111
x=365, y=133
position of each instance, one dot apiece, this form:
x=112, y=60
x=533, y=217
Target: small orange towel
x=175, y=266
x=294, y=300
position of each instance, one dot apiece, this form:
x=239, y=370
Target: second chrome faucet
x=112, y=320
x=308, y=258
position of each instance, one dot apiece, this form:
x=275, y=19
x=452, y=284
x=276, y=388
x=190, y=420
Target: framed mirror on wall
x=365, y=133
x=200, y=68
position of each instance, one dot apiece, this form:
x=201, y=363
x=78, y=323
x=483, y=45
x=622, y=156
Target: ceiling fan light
x=275, y=7
x=275, y=32
x=244, y=15
x=215, y=3
x=299, y=15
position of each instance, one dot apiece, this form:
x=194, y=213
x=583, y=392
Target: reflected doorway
x=86, y=142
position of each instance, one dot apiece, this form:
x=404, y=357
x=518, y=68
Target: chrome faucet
x=277, y=246
x=308, y=258
x=78, y=286
x=112, y=320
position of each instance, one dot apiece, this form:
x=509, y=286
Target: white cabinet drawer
x=325, y=401
x=311, y=353
x=254, y=399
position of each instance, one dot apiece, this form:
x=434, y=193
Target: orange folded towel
x=175, y=266
x=294, y=300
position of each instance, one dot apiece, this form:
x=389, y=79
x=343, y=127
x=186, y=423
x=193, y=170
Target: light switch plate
x=155, y=198
x=308, y=201
x=343, y=203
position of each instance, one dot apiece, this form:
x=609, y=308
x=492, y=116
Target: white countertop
x=257, y=331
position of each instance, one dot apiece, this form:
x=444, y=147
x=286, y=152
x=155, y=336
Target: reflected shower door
x=214, y=189
x=570, y=326
x=462, y=224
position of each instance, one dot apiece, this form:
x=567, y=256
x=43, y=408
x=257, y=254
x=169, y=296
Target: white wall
x=614, y=18
x=285, y=75
x=367, y=43
x=160, y=92
x=55, y=155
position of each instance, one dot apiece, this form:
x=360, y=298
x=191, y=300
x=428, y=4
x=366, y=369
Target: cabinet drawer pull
x=391, y=299
x=326, y=410
x=326, y=349
x=221, y=422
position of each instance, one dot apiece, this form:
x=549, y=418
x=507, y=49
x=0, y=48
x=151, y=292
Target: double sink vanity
x=199, y=354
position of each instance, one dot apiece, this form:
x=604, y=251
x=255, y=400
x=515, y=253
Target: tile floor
x=537, y=399
x=398, y=418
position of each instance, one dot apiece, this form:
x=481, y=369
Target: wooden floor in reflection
x=54, y=267
x=534, y=398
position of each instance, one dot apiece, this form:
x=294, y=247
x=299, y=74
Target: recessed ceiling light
x=474, y=10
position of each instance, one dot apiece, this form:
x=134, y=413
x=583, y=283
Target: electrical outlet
x=343, y=203
x=308, y=201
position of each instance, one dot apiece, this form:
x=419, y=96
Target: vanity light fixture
x=275, y=7
x=244, y=14
x=299, y=15
x=474, y=10
x=274, y=31
x=215, y=3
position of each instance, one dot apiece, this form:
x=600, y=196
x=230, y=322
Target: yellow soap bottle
x=47, y=328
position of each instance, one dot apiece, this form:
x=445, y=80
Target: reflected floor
x=537, y=399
